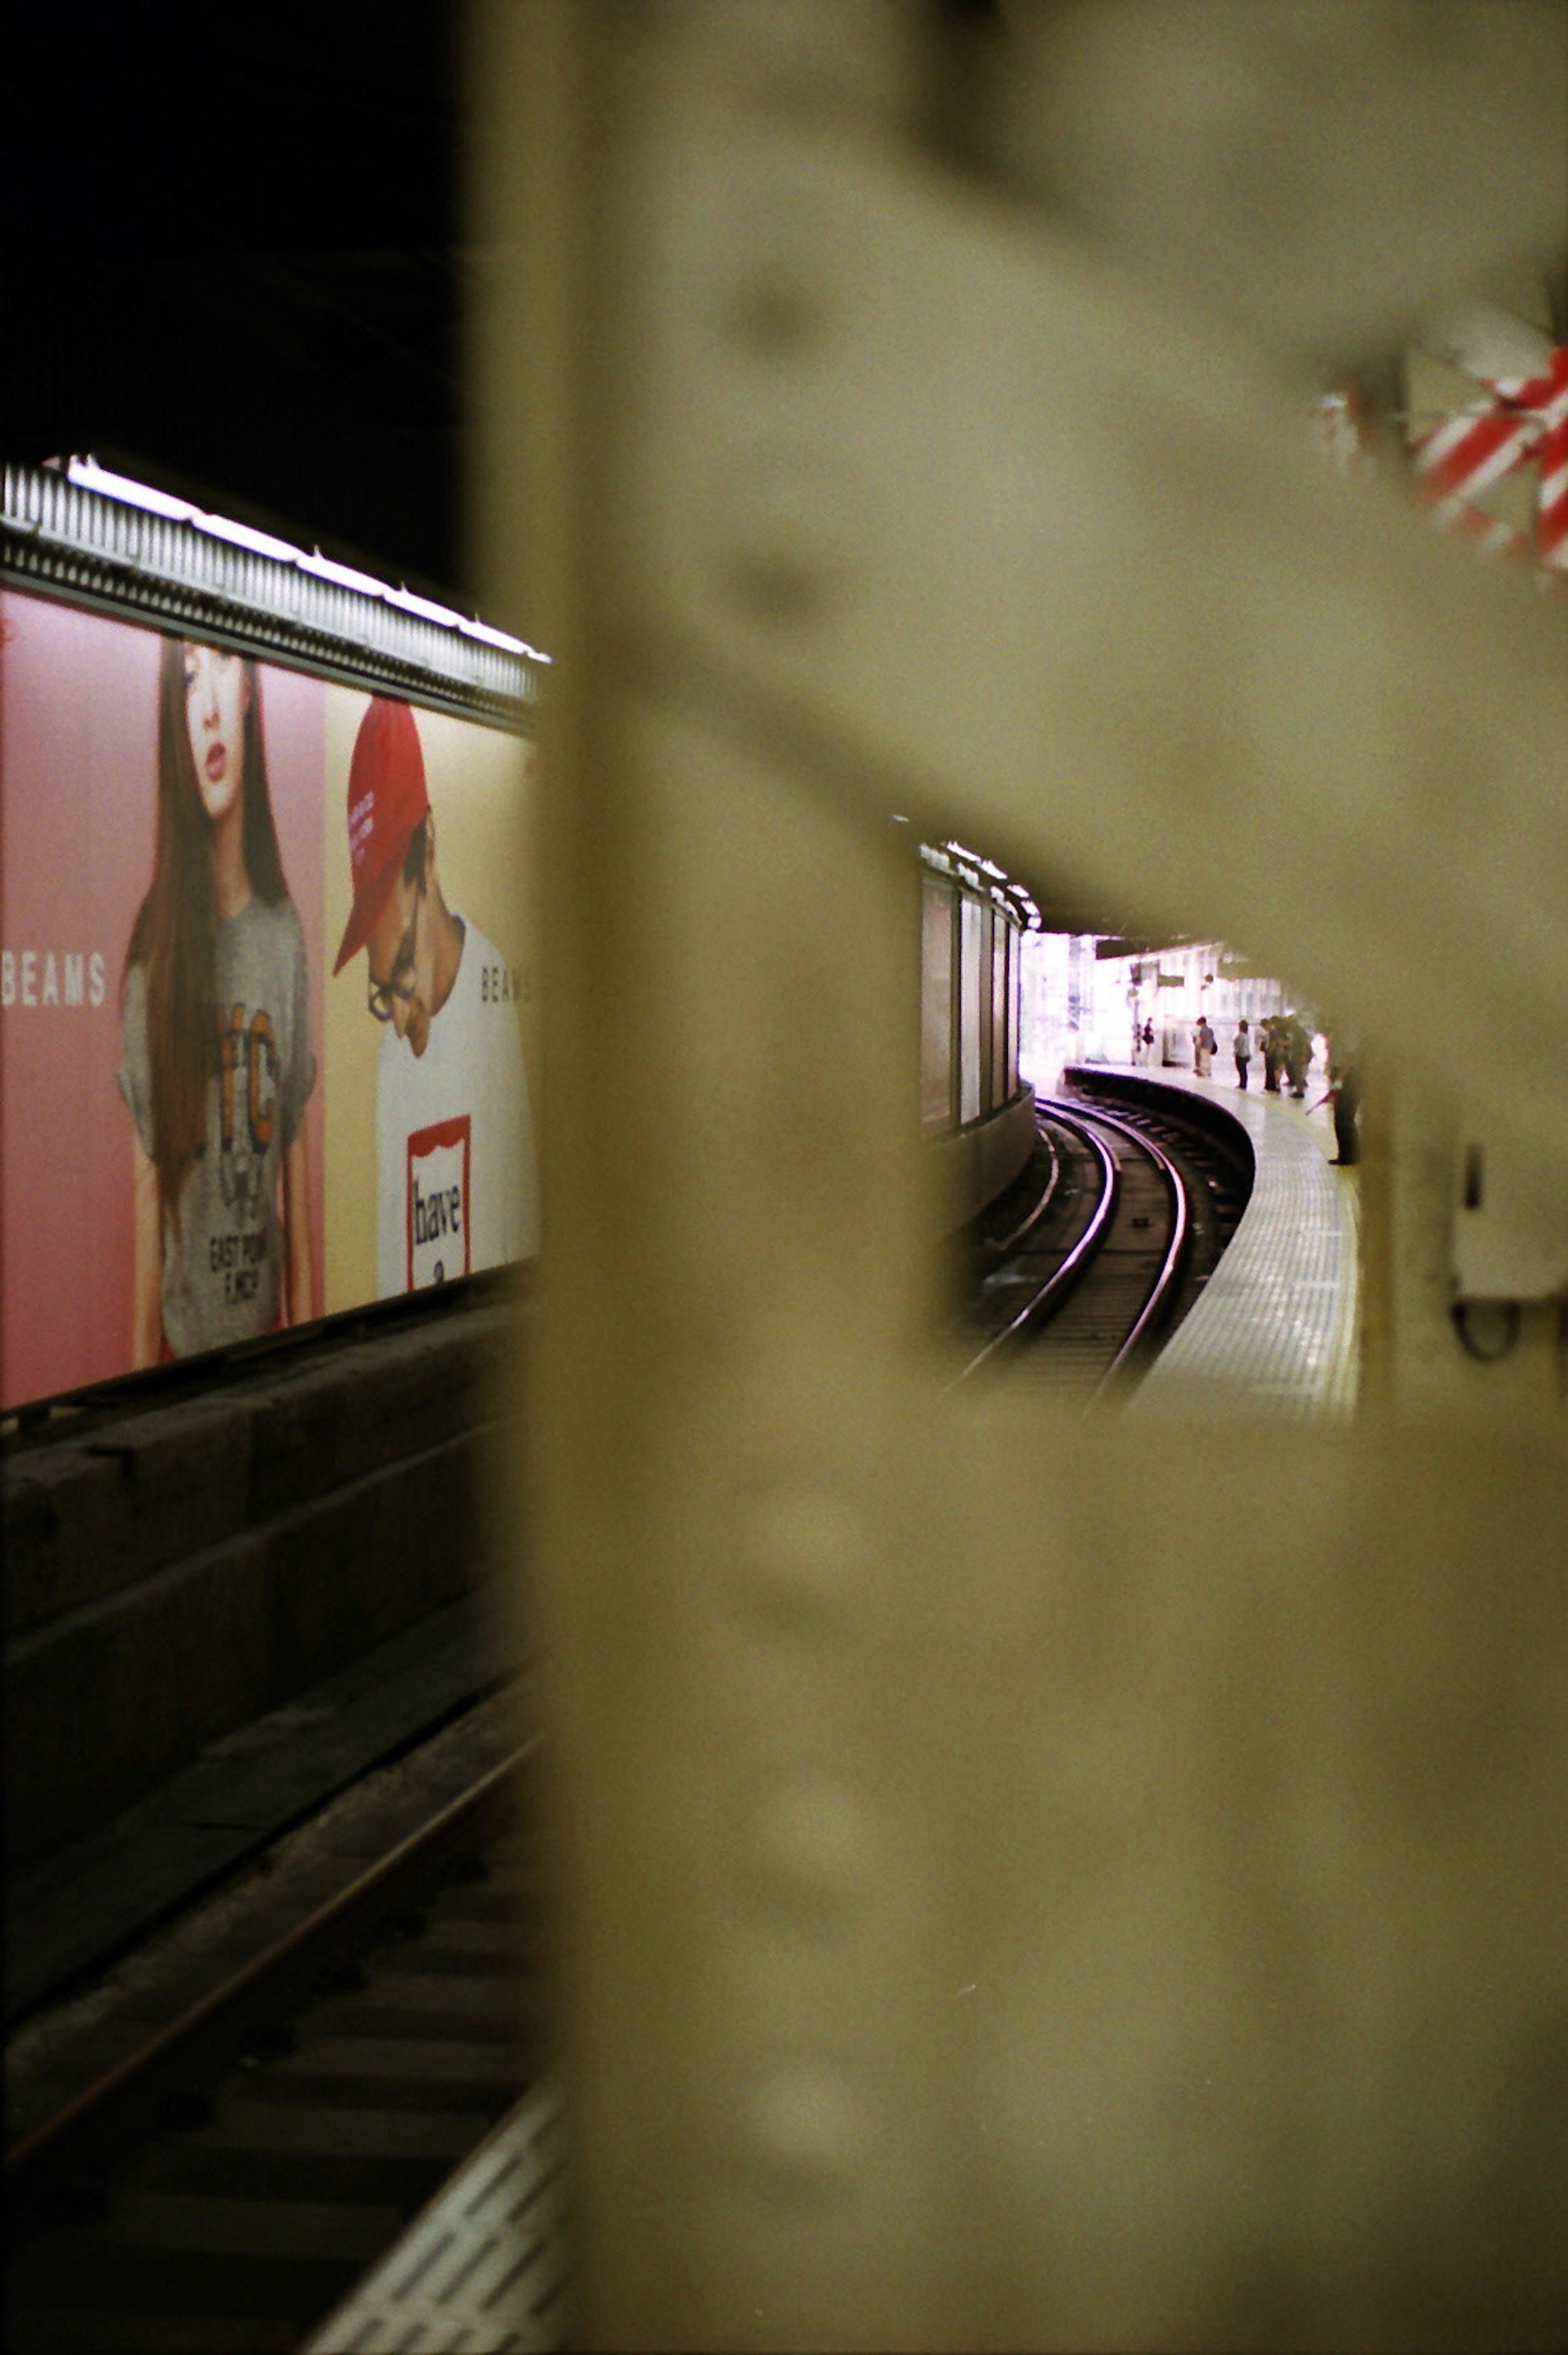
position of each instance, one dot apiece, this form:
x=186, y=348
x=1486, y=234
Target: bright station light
x=89, y=475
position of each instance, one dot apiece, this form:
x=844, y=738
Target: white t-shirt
x=458, y=1187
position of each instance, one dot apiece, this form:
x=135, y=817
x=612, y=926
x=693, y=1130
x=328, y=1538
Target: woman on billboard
x=216, y=1063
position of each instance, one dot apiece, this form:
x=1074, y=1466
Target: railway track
x=1103, y=1247
x=1219, y=1174
x=225, y=2186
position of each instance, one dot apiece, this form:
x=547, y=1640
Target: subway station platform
x=484, y=2267
x=1276, y=1329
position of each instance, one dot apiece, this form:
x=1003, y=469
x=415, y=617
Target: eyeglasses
x=400, y=981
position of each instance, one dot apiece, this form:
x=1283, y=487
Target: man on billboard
x=455, y=1141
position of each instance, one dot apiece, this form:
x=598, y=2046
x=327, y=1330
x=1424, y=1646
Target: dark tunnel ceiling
x=231, y=264
x=234, y=269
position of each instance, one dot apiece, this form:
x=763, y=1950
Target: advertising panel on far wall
x=267, y=1003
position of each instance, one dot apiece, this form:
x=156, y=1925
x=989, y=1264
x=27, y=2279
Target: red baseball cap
x=387, y=799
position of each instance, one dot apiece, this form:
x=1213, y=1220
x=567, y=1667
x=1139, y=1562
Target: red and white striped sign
x=1527, y=419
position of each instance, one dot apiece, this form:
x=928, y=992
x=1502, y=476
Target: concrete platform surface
x=1275, y=1330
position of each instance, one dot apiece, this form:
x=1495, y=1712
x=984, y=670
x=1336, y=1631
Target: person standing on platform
x=1298, y=1055
x=1271, y=1041
x=1203, y=1045
x=1243, y=1054
x=1346, y=1079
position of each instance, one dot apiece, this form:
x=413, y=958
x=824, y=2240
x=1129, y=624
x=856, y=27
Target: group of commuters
x=1285, y=1045
x=1284, y=1041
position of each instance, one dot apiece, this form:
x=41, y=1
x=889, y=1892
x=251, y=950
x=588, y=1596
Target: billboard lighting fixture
x=343, y=576
x=89, y=475
x=424, y=607
x=262, y=543
x=92, y=476
x=986, y=866
x=499, y=638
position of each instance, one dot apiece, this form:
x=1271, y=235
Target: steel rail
x=1162, y=1292
x=134, y=2099
x=1060, y=1281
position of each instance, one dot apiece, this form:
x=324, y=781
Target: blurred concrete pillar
x=1020, y=1883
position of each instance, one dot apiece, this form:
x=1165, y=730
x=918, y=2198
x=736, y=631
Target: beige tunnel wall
x=1021, y=1883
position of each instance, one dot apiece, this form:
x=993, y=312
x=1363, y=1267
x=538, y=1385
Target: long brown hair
x=175, y=933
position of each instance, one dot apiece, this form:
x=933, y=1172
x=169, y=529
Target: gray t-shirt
x=223, y=1262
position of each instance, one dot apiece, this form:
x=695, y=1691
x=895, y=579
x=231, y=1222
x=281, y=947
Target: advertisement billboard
x=267, y=1004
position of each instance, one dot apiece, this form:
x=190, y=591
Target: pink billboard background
x=78, y=822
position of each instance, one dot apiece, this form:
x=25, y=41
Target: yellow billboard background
x=483, y=785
